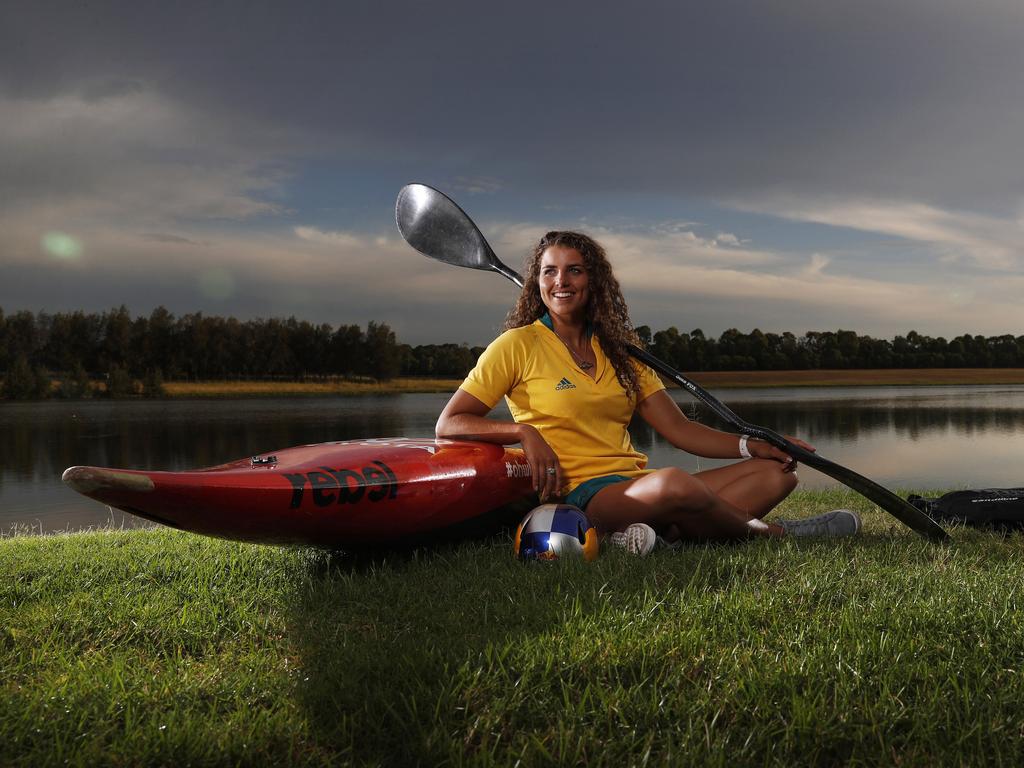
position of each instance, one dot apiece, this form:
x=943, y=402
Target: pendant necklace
x=584, y=365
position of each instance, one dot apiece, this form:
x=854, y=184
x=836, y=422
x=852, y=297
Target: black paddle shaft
x=899, y=508
x=433, y=224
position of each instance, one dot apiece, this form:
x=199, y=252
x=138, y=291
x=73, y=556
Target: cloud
x=160, y=237
x=334, y=239
x=991, y=242
x=129, y=153
x=817, y=265
x=635, y=244
x=912, y=99
x=675, y=278
x=344, y=276
x=478, y=185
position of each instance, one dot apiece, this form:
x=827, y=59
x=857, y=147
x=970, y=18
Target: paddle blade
x=436, y=227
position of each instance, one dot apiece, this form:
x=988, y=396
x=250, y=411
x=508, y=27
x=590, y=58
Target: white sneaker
x=637, y=539
x=838, y=522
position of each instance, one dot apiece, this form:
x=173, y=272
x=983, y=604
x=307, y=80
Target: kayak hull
x=345, y=494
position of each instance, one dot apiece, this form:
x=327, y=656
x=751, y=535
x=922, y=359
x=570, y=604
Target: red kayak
x=353, y=493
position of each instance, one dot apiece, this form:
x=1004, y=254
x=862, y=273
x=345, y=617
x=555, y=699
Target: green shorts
x=581, y=495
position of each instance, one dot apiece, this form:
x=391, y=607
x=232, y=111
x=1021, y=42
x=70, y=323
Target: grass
x=307, y=388
x=163, y=648
x=713, y=380
x=709, y=379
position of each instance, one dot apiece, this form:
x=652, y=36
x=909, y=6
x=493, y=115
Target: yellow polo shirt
x=583, y=419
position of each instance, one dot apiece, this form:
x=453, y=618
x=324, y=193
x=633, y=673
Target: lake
x=901, y=437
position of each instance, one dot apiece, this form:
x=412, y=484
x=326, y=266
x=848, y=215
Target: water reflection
x=38, y=441
x=972, y=434
x=41, y=439
x=912, y=418
x=902, y=437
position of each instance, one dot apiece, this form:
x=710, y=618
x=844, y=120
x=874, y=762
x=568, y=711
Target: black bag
x=998, y=508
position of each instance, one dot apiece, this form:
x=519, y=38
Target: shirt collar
x=546, y=319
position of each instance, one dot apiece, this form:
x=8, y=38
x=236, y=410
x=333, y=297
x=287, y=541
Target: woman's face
x=564, y=283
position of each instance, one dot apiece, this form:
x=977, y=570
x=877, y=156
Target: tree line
x=736, y=351
x=134, y=355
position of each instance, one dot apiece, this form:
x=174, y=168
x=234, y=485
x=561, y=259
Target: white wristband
x=744, y=451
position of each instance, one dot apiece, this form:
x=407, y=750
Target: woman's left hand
x=760, y=449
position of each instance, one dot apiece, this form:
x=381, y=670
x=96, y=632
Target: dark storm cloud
x=889, y=99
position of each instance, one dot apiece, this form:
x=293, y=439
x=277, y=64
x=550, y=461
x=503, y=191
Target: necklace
x=585, y=365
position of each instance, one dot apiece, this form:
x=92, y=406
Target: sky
x=787, y=165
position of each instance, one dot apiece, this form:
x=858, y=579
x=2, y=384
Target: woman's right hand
x=464, y=418
x=542, y=461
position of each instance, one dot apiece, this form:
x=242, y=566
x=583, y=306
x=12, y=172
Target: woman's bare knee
x=777, y=486
x=775, y=477
x=784, y=481
x=680, y=491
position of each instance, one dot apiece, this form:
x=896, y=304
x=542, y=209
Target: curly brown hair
x=606, y=312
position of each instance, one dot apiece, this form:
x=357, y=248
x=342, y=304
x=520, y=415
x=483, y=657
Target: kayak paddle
x=437, y=227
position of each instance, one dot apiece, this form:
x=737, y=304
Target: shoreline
x=330, y=388
x=881, y=377
x=707, y=379
x=712, y=380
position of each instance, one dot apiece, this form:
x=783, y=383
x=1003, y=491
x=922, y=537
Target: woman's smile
x=564, y=284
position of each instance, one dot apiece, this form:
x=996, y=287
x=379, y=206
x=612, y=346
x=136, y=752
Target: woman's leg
x=756, y=486
x=670, y=498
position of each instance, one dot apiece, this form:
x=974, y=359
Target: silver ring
x=551, y=470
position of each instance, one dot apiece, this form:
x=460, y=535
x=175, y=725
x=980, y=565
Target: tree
x=848, y=344
x=119, y=382
x=874, y=353
x=674, y=348
x=23, y=382
x=345, y=353
x=153, y=384
x=67, y=339
x=4, y=359
x=75, y=384
x=22, y=336
x=273, y=356
x=1004, y=351
x=734, y=351
x=702, y=351
x=116, y=334
x=159, y=344
x=663, y=345
x=193, y=332
x=381, y=350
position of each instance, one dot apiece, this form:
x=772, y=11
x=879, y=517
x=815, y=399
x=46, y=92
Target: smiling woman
x=568, y=275
x=564, y=366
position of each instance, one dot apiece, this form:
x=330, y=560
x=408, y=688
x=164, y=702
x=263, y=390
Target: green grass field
x=162, y=648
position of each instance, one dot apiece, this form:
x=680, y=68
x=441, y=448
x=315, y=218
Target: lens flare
x=217, y=284
x=62, y=246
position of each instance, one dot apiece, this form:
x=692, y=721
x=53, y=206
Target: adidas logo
x=564, y=384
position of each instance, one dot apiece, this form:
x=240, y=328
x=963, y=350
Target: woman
x=572, y=389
